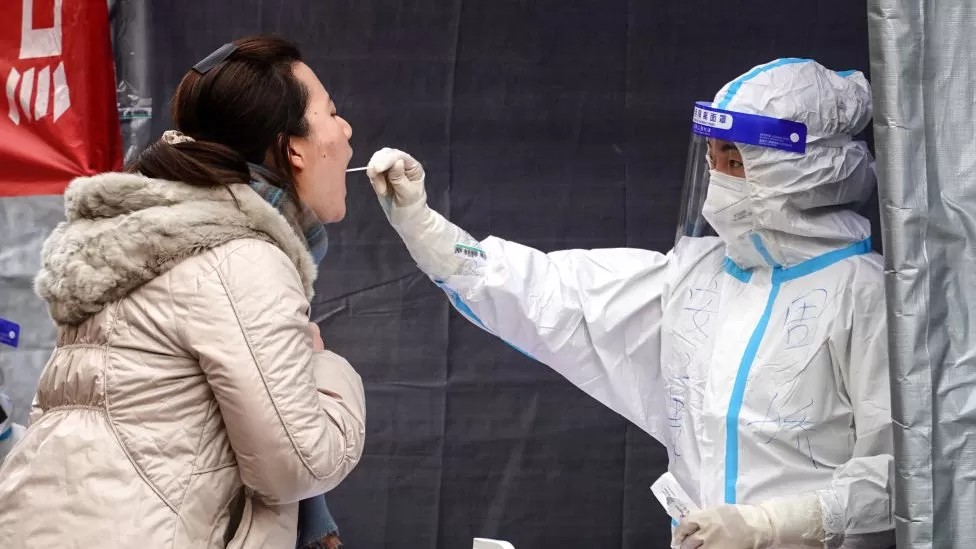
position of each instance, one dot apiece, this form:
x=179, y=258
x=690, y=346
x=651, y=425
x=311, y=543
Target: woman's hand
x=317, y=343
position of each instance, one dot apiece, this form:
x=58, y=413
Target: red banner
x=58, y=115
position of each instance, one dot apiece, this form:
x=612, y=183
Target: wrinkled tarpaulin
x=924, y=68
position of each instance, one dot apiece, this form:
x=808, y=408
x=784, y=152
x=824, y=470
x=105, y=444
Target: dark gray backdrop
x=557, y=123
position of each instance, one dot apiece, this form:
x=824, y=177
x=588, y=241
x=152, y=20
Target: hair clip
x=218, y=56
x=174, y=137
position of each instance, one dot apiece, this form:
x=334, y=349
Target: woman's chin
x=333, y=214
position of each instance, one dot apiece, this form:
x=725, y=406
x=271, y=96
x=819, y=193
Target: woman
x=189, y=402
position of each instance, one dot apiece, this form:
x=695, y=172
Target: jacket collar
x=123, y=230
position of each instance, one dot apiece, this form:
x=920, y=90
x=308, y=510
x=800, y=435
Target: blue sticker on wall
x=9, y=333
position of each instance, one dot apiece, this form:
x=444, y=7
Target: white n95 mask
x=731, y=209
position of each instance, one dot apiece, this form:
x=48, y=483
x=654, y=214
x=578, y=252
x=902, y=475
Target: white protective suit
x=758, y=359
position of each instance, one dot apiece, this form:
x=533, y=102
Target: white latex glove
x=781, y=523
x=397, y=178
x=432, y=240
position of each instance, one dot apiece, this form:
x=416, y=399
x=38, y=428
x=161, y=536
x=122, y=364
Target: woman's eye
x=735, y=164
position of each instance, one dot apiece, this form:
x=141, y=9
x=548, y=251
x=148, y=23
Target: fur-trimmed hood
x=123, y=230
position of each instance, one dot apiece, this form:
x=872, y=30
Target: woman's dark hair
x=237, y=112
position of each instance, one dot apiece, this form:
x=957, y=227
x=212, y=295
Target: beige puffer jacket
x=183, y=405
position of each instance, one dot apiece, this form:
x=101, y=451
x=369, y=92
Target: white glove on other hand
x=781, y=523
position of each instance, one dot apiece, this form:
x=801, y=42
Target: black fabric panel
x=556, y=124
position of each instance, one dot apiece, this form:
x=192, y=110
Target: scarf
x=301, y=218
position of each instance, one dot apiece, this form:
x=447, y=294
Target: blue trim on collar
x=732, y=268
x=821, y=262
x=810, y=266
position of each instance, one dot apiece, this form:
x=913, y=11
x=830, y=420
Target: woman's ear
x=296, y=153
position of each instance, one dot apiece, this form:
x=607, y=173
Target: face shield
x=718, y=127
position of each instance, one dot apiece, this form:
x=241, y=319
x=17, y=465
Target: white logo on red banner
x=58, y=108
x=30, y=93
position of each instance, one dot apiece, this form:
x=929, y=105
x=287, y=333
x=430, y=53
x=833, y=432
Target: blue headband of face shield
x=749, y=129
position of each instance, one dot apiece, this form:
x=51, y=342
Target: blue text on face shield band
x=737, y=84
x=6, y=434
x=750, y=129
x=463, y=308
x=779, y=276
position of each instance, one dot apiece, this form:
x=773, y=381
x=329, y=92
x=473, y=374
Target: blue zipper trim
x=738, y=392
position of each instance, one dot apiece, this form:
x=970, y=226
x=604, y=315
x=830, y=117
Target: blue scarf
x=301, y=218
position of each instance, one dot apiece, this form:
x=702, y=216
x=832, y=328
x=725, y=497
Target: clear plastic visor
x=718, y=125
